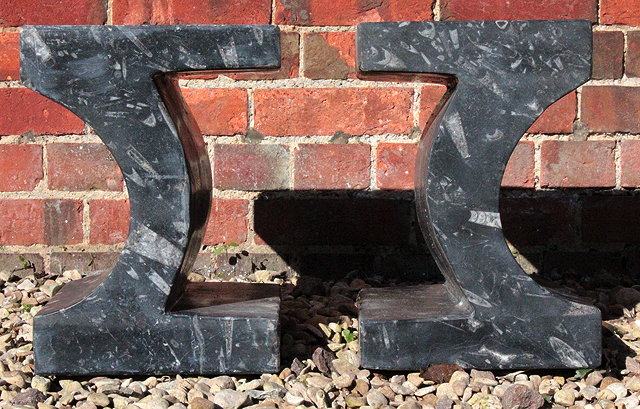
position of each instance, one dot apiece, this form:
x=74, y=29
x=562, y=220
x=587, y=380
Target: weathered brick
x=349, y=12
x=82, y=166
x=611, y=108
x=83, y=262
x=191, y=12
x=396, y=166
x=328, y=221
x=332, y=166
x=630, y=163
x=577, y=164
x=539, y=221
x=611, y=219
x=21, y=222
x=9, y=56
x=231, y=264
x=20, y=167
x=608, y=54
x=15, y=13
x=431, y=97
x=330, y=55
x=251, y=167
x=558, y=118
x=63, y=221
x=520, y=168
x=632, y=58
x=620, y=12
x=23, y=110
x=518, y=10
x=21, y=263
x=227, y=222
x=218, y=111
x=324, y=111
x=109, y=221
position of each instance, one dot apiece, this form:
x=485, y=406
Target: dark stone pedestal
x=489, y=314
x=143, y=317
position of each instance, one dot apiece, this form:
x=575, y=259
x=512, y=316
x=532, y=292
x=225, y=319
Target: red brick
x=608, y=54
x=630, y=163
x=539, y=221
x=191, y=12
x=9, y=56
x=23, y=110
x=330, y=55
x=431, y=97
x=518, y=10
x=20, y=12
x=611, y=108
x=324, y=111
x=333, y=221
x=611, y=219
x=578, y=164
x=558, y=118
x=620, y=12
x=82, y=166
x=63, y=221
x=227, y=222
x=109, y=221
x=632, y=58
x=20, y=167
x=350, y=12
x=251, y=167
x=218, y=111
x=396, y=166
x=519, y=171
x=332, y=166
x=21, y=222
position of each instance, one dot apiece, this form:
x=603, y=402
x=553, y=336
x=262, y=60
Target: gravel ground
x=320, y=347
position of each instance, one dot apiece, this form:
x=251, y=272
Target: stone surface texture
x=489, y=313
x=142, y=317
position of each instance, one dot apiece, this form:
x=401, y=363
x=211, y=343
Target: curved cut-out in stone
x=143, y=317
x=489, y=313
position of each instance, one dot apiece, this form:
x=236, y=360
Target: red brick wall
x=310, y=161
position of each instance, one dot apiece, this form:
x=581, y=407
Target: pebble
x=30, y=397
x=201, y=403
x=444, y=403
x=440, y=373
x=376, y=399
x=230, y=399
x=41, y=383
x=355, y=401
x=519, y=396
x=619, y=389
x=99, y=399
x=329, y=378
x=151, y=402
x=564, y=397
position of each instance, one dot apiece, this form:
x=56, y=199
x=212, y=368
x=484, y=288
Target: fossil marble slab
x=143, y=317
x=489, y=313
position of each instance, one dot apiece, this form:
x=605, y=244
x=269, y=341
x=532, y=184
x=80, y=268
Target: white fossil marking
x=490, y=219
x=41, y=49
x=229, y=53
x=453, y=125
x=159, y=282
x=152, y=245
